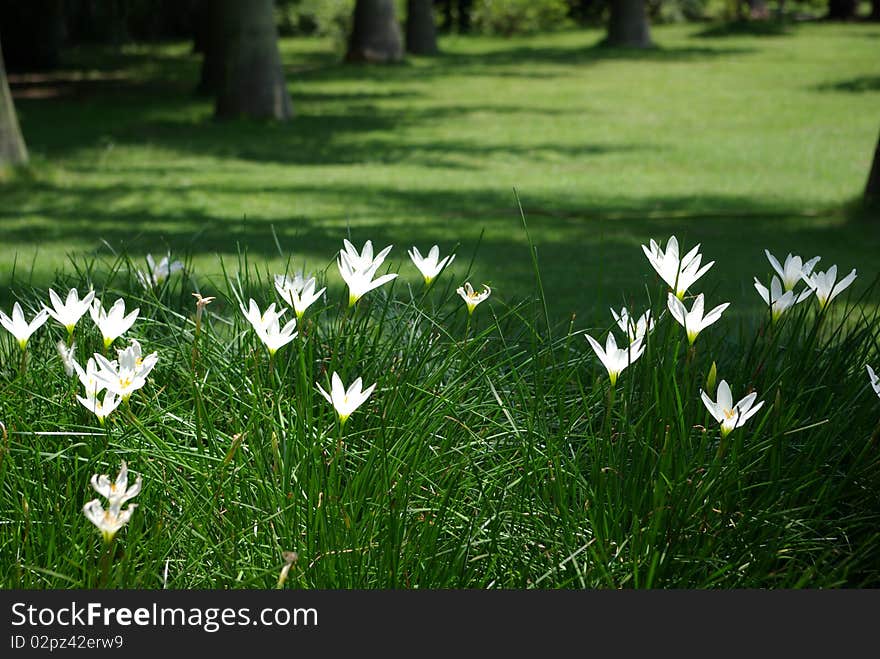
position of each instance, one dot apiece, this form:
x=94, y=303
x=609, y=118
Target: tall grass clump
x=493, y=452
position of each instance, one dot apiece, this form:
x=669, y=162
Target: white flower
x=472, y=298
x=430, y=265
x=360, y=281
x=129, y=373
x=679, y=274
x=635, y=328
x=824, y=284
x=158, y=272
x=260, y=320
x=875, y=379
x=89, y=377
x=778, y=301
x=616, y=359
x=101, y=409
x=67, y=358
x=793, y=270
x=276, y=336
x=267, y=325
x=346, y=401
x=694, y=321
x=729, y=415
x=19, y=327
x=298, y=291
x=71, y=310
x=114, y=323
x=364, y=260
x=117, y=493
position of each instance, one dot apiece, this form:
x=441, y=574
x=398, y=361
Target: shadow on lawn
x=517, y=62
x=589, y=253
x=745, y=28
x=859, y=85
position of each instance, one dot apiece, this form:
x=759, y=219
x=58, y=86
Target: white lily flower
x=694, y=321
x=431, y=265
x=112, y=519
x=89, y=377
x=129, y=373
x=157, y=273
x=793, y=270
x=71, y=310
x=116, y=492
x=267, y=325
x=875, y=379
x=635, y=328
x=298, y=291
x=114, y=323
x=824, y=284
x=472, y=298
x=360, y=281
x=778, y=301
x=364, y=260
x=613, y=358
x=346, y=401
x=276, y=336
x=260, y=320
x=729, y=415
x=19, y=327
x=67, y=359
x=101, y=408
x=678, y=273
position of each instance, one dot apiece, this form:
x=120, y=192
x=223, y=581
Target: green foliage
x=512, y=17
x=324, y=18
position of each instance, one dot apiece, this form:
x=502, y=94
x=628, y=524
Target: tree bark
x=872, y=189
x=421, y=34
x=209, y=39
x=12, y=148
x=375, y=36
x=253, y=80
x=628, y=25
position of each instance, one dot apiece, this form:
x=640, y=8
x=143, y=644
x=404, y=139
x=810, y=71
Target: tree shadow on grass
x=521, y=61
x=744, y=28
x=588, y=249
x=858, y=85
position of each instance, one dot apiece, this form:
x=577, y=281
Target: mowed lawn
x=738, y=142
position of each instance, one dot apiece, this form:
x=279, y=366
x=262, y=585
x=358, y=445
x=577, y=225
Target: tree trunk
x=421, y=34
x=628, y=25
x=12, y=148
x=253, y=80
x=841, y=10
x=210, y=40
x=872, y=189
x=375, y=36
x=875, y=10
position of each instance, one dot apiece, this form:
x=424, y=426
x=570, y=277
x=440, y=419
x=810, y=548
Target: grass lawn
x=739, y=142
x=495, y=450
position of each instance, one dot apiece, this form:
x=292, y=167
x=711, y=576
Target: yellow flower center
x=729, y=414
